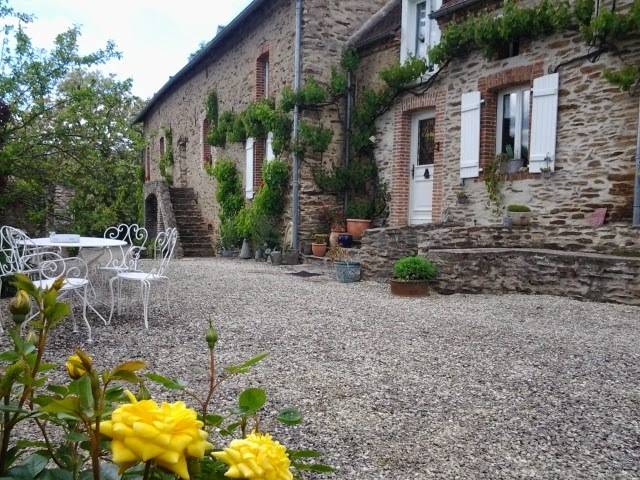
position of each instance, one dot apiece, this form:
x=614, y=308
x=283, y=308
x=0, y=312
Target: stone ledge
x=535, y=251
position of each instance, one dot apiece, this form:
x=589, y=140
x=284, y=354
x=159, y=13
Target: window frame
x=409, y=32
x=517, y=148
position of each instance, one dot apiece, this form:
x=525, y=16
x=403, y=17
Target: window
x=262, y=76
x=161, y=147
x=147, y=165
x=419, y=32
x=207, y=157
x=513, y=123
x=426, y=141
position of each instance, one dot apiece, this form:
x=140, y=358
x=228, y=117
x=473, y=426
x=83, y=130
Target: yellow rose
x=257, y=457
x=167, y=434
x=75, y=367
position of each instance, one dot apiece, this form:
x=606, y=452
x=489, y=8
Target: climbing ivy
x=166, y=159
x=494, y=177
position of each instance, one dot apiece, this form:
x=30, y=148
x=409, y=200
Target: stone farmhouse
x=570, y=137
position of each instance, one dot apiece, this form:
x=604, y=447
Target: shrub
x=229, y=188
x=359, y=209
x=414, y=268
x=518, y=208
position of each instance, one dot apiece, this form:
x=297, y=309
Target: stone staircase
x=192, y=229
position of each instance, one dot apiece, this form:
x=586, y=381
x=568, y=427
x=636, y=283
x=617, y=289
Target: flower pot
x=333, y=237
x=462, y=200
x=513, y=166
x=348, y=272
x=410, y=288
x=345, y=240
x=245, y=251
x=520, y=219
x=290, y=258
x=357, y=226
x=306, y=247
x=319, y=249
x=276, y=258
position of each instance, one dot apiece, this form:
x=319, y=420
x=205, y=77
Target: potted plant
x=319, y=245
x=462, y=198
x=358, y=218
x=347, y=271
x=345, y=240
x=520, y=214
x=411, y=276
x=306, y=246
x=336, y=221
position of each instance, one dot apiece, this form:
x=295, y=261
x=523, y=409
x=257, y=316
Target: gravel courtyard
x=446, y=387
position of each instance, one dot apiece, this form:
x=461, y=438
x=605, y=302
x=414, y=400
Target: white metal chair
x=44, y=267
x=136, y=238
x=164, y=247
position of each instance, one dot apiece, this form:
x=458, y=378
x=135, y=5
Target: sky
x=155, y=37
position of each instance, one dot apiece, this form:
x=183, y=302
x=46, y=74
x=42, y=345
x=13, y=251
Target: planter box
x=348, y=272
x=520, y=219
x=410, y=288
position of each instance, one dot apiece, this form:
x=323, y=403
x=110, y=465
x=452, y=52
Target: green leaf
x=125, y=376
x=30, y=468
x=57, y=312
x=76, y=437
x=114, y=393
x=12, y=407
x=130, y=366
x=69, y=405
x=293, y=454
x=59, y=389
x=164, y=381
x=290, y=416
x=9, y=356
x=55, y=474
x=246, y=366
x=213, y=420
x=86, y=395
x=22, y=282
x=251, y=400
x=229, y=429
x=313, y=467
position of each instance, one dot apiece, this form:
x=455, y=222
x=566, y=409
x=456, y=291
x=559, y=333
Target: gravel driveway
x=446, y=387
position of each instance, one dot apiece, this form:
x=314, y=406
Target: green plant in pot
x=520, y=215
x=319, y=245
x=412, y=276
x=358, y=215
x=347, y=270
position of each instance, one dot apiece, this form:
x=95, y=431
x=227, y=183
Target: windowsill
x=515, y=176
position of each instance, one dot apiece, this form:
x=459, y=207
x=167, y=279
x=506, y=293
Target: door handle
x=413, y=171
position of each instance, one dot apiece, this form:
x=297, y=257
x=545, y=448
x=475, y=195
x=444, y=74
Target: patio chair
x=136, y=238
x=44, y=266
x=164, y=247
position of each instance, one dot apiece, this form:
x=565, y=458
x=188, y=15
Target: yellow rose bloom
x=257, y=457
x=74, y=365
x=141, y=431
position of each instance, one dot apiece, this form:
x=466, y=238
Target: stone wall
x=620, y=239
x=158, y=211
x=596, y=137
x=584, y=276
x=381, y=247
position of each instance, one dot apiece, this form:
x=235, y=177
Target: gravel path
x=447, y=387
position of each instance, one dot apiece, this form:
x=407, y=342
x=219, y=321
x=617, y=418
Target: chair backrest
x=165, y=245
x=133, y=234
x=15, y=249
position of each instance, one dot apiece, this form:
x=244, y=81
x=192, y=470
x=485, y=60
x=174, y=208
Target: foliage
x=321, y=238
x=211, y=105
x=258, y=118
x=414, y=268
x=67, y=127
x=494, y=179
x=315, y=138
x=518, y=208
x=75, y=419
x=359, y=209
x=166, y=157
x=229, y=195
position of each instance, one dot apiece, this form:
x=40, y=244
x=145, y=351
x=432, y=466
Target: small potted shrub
x=319, y=245
x=462, y=198
x=412, y=275
x=358, y=218
x=347, y=270
x=336, y=220
x=520, y=215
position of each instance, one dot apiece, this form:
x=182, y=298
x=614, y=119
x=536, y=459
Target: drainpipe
x=636, y=193
x=347, y=126
x=295, y=184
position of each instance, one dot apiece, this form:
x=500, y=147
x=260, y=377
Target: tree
x=67, y=126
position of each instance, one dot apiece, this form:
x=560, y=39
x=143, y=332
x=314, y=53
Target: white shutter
x=470, y=135
x=544, y=123
x=269, y=154
x=248, y=168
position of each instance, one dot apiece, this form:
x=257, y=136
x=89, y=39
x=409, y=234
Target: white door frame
x=413, y=163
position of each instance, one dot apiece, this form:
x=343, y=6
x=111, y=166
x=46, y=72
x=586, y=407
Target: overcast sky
x=154, y=36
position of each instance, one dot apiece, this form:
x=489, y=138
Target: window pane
x=524, y=149
x=509, y=110
x=426, y=141
x=421, y=29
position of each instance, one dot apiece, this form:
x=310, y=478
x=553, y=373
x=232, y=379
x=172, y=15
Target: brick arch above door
x=400, y=172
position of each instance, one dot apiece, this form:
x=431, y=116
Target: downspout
x=295, y=184
x=347, y=127
x=636, y=192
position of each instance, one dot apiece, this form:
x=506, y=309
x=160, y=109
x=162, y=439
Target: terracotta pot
x=410, y=288
x=319, y=249
x=333, y=237
x=357, y=226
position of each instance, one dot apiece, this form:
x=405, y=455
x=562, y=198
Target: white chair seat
x=140, y=276
x=69, y=284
